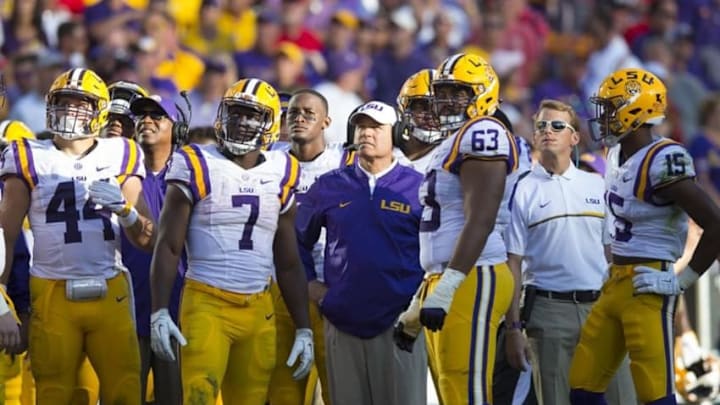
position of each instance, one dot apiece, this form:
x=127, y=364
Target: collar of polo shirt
x=569, y=174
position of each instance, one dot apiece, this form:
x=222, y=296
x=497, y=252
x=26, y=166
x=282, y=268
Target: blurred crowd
x=356, y=50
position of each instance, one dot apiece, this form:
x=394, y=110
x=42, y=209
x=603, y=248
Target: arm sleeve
x=189, y=168
x=132, y=162
x=18, y=160
x=485, y=139
x=666, y=162
x=289, y=183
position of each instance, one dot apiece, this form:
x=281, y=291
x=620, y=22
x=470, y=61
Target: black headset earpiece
x=400, y=130
x=181, y=128
x=350, y=130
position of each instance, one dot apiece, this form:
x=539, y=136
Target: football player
x=120, y=118
x=415, y=105
x=15, y=370
x=14, y=289
x=234, y=205
x=470, y=286
x=650, y=193
x=307, y=119
x=79, y=191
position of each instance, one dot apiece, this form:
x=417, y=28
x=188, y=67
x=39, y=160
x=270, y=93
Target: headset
x=181, y=128
x=401, y=130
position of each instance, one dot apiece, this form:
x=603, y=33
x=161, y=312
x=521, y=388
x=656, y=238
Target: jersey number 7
x=246, y=243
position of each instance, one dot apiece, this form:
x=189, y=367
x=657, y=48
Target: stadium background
x=357, y=50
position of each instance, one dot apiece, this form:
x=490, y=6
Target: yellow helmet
x=415, y=102
x=72, y=122
x=11, y=130
x=626, y=100
x=249, y=110
x=122, y=94
x=474, y=73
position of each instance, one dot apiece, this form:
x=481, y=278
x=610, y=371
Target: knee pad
x=668, y=400
x=582, y=397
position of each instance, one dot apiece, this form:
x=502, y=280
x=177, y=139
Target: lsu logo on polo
x=396, y=206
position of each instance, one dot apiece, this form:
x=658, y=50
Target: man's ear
x=326, y=122
x=575, y=138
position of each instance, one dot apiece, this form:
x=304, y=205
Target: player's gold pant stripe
x=462, y=353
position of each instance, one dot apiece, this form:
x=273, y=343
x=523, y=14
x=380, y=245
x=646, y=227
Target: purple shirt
x=138, y=262
x=372, y=252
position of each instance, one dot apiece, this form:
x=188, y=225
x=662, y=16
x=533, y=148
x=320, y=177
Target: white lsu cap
x=378, y=111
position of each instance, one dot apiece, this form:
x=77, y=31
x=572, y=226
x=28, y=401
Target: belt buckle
x=574, y=297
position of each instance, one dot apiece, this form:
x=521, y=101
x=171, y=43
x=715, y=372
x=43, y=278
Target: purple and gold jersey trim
x=131, y=161
x=289, y=181
x=348, y=158
x=199, y=173
x=24, y=162
x=454, y=159
x=643, y=188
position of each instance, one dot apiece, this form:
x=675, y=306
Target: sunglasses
x=555, y=125
x=154, y=115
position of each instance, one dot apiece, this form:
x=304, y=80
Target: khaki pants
x=553, y=332
x=374, y=371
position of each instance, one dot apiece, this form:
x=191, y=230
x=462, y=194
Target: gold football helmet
x=122, y=94
x=416, y=105
x=465, y=87
x=626, y=100
x=249, y=110
x=11, y=130
x=77, y=104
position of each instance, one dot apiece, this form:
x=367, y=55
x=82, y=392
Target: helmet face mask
x=248, y=113
x=425, y=123
x=77, y=105
x=451, y=102
x=69, y=115
x=466, y=87
x=416, y=104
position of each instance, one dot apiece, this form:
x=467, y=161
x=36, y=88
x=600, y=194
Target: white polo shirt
x=558, y=225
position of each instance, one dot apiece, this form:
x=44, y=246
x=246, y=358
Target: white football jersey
x=643, y=225
x=420, y=165
x=74, y=238
x=232, y=227
x=330, y=159
x=442, y=197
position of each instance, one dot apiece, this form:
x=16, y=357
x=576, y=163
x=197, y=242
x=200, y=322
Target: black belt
x=573, y=296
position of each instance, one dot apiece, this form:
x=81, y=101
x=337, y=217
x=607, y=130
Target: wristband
x=687, y=277
x=128, y=220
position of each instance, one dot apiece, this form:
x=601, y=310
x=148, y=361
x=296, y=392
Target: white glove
x=437, y=305
x=108, y=194
x=303, y=348
x=648, y=280
x=162, y=328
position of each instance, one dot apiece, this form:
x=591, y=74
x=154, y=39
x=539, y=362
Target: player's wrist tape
x=129, y=218
x=687, y=277
x=159, y=313
x=304, y=332
x=445, y=288
x=4, y=307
